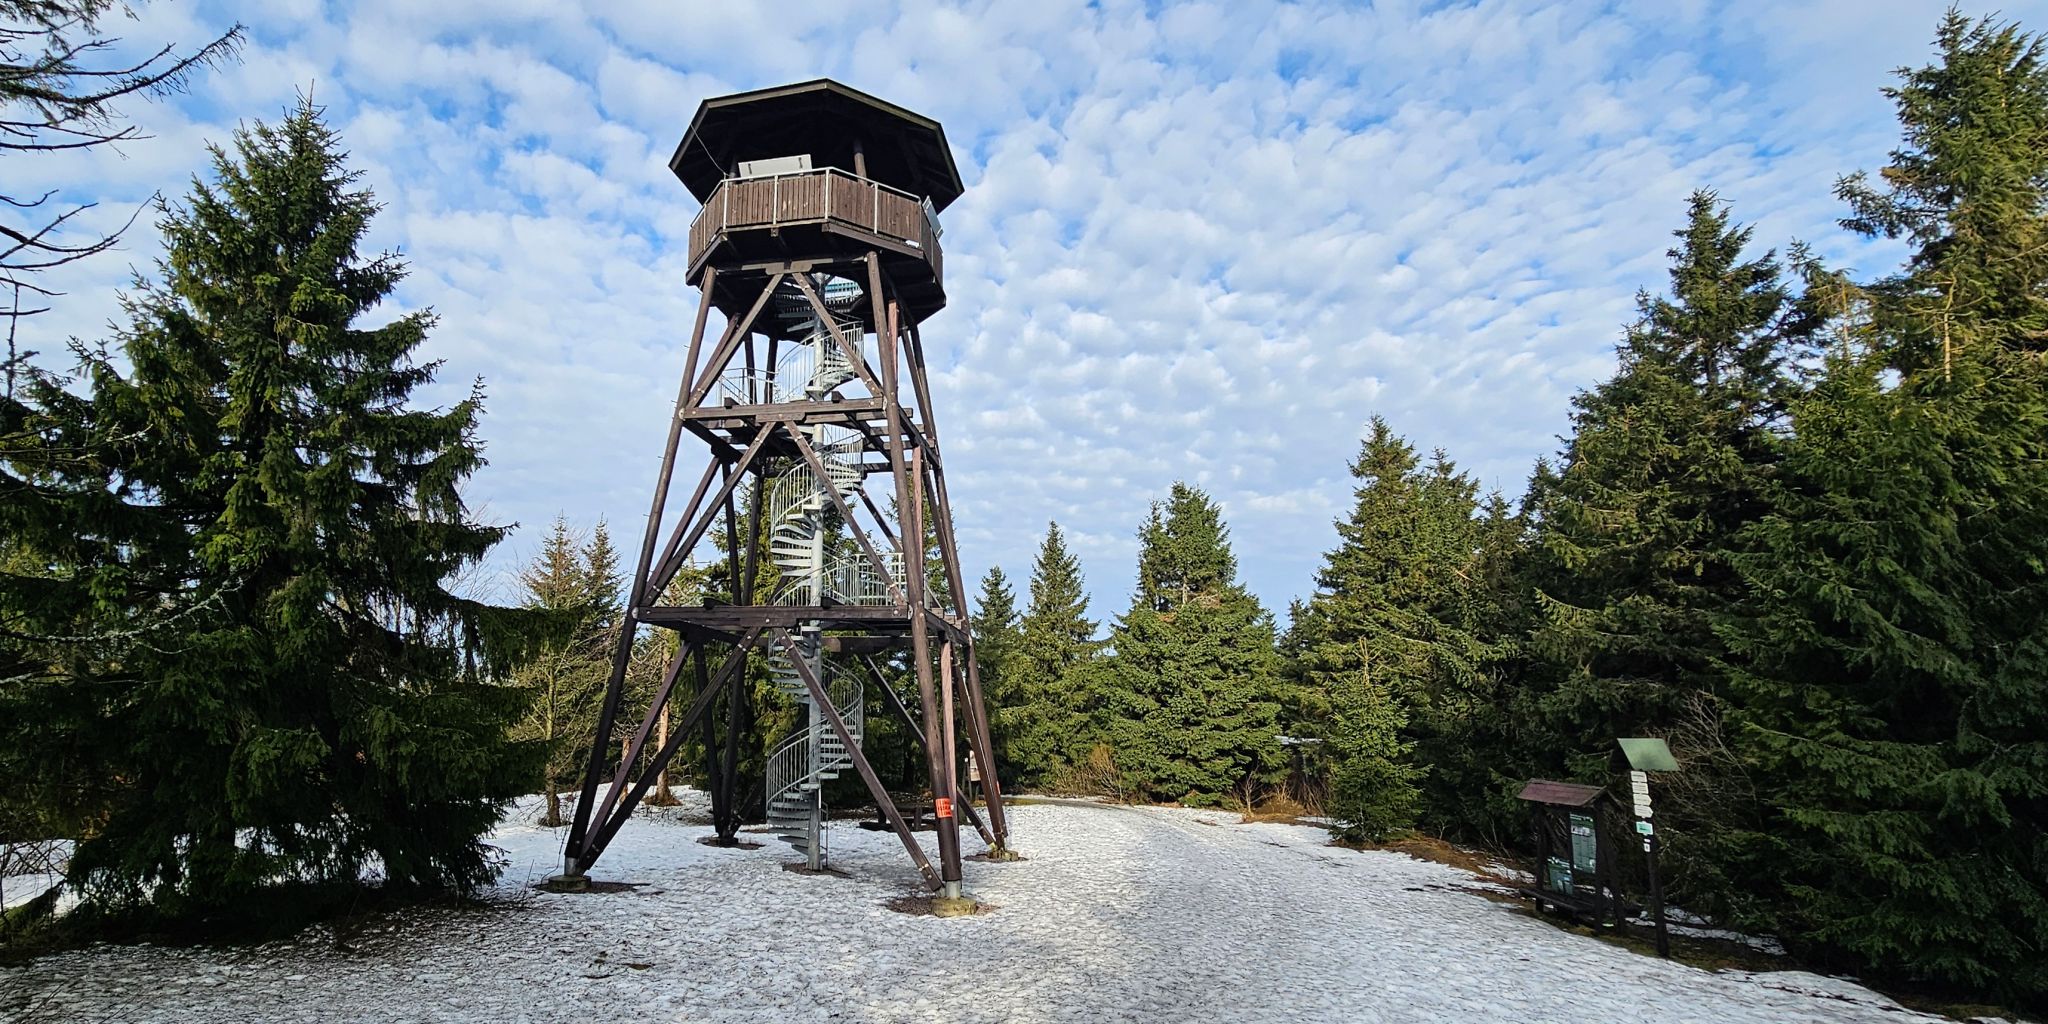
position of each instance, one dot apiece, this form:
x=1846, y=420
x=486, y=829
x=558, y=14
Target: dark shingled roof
x=1561, y=794
x=823, y=119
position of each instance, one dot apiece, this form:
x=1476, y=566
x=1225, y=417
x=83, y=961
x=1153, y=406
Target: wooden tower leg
x=938, y=723
x=860, y=760
x=713, y=775
x=579, y=829
x=976, y=711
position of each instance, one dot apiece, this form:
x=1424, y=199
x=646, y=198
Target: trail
x=1118, y=914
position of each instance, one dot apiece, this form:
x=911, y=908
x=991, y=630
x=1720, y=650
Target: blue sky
x=1199, y=241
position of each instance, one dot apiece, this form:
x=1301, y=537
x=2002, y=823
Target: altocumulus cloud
x=1200, y=241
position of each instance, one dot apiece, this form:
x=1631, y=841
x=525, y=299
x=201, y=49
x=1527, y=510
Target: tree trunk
x=661, y=797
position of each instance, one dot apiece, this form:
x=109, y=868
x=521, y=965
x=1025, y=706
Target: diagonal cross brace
x=831, y=325
x=824, y=707
x=616, y=816
x=681, y=548
x=852, y=525
x=896, y=704
x=730, y=342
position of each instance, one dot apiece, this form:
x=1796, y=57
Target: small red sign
x=942, y=808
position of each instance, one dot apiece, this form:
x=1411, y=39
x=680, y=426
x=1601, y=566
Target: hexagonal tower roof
x=825, y=120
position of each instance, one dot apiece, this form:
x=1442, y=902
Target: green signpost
x=1646, y=755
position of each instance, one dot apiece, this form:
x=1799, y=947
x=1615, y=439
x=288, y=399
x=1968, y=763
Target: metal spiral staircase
x=797, y=502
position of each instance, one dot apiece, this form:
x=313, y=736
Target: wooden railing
x=815, y=197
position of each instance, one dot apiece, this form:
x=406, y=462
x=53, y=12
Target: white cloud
x=1203, y=242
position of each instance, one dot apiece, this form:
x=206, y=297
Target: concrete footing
x=567, y=883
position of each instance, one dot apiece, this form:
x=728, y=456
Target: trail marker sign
x=1648, y=754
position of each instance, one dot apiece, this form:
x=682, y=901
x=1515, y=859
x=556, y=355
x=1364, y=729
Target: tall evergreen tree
x=1967, y=188
x=994, y=624
x=1045, y=714
x=604, y=582
x=1889, y=706
x=1189, y=699
x=566, y=584
x=1666, y=463
x=1890, y=712
x=1056, y=631
x=1390, y=633
x=310, y=710
x=555, y=579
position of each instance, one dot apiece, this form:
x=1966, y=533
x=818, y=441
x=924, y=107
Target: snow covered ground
x=1118, y=914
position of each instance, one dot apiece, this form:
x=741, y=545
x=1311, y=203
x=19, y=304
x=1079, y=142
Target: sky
x=1200, y=242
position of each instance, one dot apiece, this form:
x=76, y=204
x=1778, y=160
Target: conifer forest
x=1800, y=534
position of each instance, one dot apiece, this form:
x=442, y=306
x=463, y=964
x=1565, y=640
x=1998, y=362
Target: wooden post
x=939, y=730
x=711, y=774
x=903, y=714
x=1657, y=897
x=618, y=811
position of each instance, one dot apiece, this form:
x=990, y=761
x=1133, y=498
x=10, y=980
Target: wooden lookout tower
x=818, y=245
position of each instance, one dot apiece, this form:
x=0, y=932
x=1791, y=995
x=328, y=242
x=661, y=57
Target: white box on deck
x=777, y=165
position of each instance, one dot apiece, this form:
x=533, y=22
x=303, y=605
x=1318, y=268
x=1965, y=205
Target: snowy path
x=1119, y=914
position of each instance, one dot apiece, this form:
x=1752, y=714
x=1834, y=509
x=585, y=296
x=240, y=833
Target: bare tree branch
x=59, y=90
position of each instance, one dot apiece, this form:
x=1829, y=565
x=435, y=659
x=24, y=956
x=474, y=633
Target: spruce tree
x=604, y=582
x=1966, y=188
x=319, y=703
x=1470, y=736
x=1389, y=636
x=994, y=625
x=572, y=588
x=1189, y=697
x=1889, y=706
x=1044, y=722
x=1890, y=713
x=1667, y=461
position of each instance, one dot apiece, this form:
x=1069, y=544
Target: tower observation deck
x=818, y=169
x=818, y=243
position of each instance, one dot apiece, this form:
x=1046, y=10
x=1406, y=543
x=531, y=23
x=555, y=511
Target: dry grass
x=1437, y=851
x=1281, y=809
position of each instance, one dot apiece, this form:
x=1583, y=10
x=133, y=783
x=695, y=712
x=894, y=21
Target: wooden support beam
x=713, y=767
x=860, y=536
x=922, y=387
x=727, y=417
x=896, y=705
x=733, y=333
x=981, y=740
x=598, y=840
x=938, y=752
x=881, y=521
x=830, y=324
x=679, y=551
x=647, y=725
x=662, y=575
x=579, y=827
x=823, y=706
